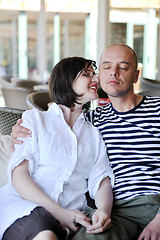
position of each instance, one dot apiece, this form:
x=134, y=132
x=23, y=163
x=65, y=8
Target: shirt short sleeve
x=101, y=168
x=28, y=150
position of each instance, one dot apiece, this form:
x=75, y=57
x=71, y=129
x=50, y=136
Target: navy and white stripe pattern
x=133, y=144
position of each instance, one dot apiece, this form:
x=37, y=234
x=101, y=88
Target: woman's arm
x=30, y=191
x=103, y=200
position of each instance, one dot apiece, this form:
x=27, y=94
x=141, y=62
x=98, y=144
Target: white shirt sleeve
x=28, y=150
x=100, y=170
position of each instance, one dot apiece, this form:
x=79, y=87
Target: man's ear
x=137, y=76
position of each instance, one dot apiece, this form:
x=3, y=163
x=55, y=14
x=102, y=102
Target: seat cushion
x=5, y=154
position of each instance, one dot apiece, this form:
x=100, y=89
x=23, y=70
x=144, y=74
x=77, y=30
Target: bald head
x=117, y=46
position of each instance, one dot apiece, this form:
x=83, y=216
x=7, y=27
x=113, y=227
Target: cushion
x=5, y=154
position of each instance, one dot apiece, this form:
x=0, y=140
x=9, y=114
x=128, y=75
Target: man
x=130, y=127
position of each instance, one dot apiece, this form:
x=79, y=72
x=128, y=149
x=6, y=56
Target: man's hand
x=100, y=222
x=152, y=230
x=103, y=200
x=18, y=132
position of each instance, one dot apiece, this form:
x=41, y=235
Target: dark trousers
x=28, y=227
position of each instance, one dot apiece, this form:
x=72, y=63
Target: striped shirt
x=133, y=144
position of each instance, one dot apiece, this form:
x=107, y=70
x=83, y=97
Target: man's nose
x=114, y=71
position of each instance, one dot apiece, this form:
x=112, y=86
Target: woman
x=50, y=172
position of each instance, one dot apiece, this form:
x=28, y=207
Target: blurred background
x=36, y=34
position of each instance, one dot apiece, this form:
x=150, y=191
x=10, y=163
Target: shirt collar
x=58, y=111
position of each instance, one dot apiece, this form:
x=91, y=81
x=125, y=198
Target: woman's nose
x=95, y=78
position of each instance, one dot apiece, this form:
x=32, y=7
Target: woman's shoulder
x=35, y=114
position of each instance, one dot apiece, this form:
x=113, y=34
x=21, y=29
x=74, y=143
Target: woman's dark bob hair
x=62, y=78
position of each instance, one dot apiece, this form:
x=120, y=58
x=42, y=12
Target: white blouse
x=65, y=163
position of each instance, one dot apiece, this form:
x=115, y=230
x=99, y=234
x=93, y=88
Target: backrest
x=26, y=83
x=5, y=81
x=8, y=118
x=148, y=84
x=5, y=154
x=15, y=97
x=155, y=93
x=39, y=100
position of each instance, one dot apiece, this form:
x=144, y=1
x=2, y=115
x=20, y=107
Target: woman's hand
x=18, y=132
x=100, y=221
x=72, y=219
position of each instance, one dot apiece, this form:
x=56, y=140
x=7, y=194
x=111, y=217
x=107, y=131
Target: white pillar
x=87, y=36
x=14, y=48
x=56, y=48
x=22, y=46
x=66, y=38
x=1, y=50
x=92, y=28
x=103, y=31
x=41, y=43
x=129, y=34
x=150, y=43
x=158, y=48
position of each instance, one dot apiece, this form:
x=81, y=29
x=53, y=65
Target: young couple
x=130, y=127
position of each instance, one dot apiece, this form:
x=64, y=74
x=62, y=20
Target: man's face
x=117, y=71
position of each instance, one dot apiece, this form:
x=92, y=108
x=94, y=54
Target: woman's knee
x=46, y=234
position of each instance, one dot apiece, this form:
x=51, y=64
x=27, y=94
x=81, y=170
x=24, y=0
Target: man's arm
x=19, y=132
x=103, y=200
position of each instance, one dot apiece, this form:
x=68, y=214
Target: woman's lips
x=94, y=87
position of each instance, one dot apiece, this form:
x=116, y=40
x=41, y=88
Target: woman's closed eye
x=84, y=74
x=88, y=73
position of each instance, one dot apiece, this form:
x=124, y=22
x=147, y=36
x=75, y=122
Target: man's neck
x=124, y=104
